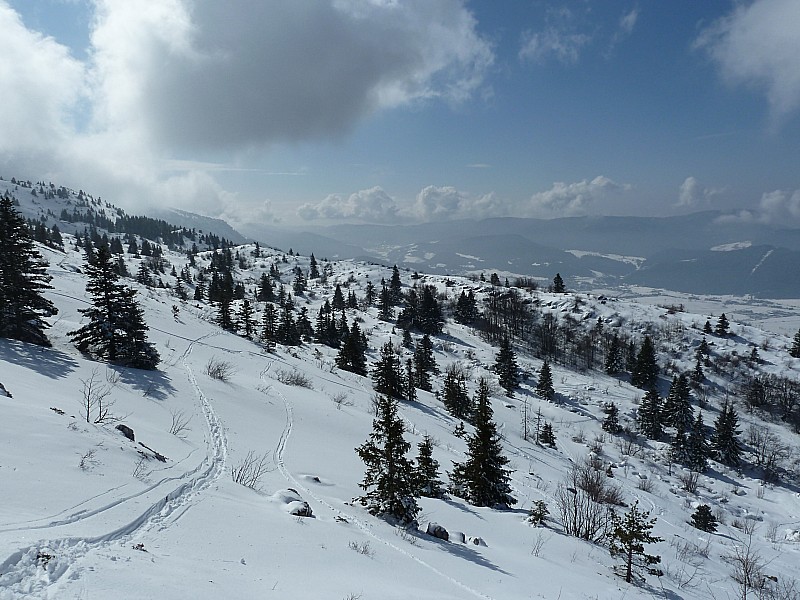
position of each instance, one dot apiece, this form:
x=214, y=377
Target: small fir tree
x=546, y=436
x=611, y=421
x=722, y=326
x=544, y=387
x=352, y=352
x=454, y=393
x=558, y=284
x=387, y=373
x=424, y=363
x=703, y=519
x=389, y=481
x=505, y=365
x=483, y=478
x=427, y=470
x=645, y=371
x=795, y=351
x=627, y=540
x=697, y=449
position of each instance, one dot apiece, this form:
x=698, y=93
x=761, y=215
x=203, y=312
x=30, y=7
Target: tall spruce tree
x=395, y=287
x=116, y=330
x=722, y=326
x=23, y=278
x=352, y=355
x=427, y=470
x=424, y=363
x=795, y=351
x=678, y=411
x=505, y=365
x=645, y=371
x=611, y=421
x=390, y=480
x=697, y=449
x=483, y=478
x=544, y=386
x=615, y=359
x=650, y=416
x=725, y=445
x=454, y=393
x=387, y=373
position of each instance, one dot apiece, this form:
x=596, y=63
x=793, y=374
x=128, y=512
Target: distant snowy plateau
x=86, y=513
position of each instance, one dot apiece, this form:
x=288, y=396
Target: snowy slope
x=87, y=513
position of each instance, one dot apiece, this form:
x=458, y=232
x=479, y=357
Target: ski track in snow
x=25, y=575
x=278, y=458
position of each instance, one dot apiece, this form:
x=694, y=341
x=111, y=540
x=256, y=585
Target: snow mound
x=292, y=503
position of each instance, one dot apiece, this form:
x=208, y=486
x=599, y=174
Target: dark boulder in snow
x=437, y=531
x=126, y=431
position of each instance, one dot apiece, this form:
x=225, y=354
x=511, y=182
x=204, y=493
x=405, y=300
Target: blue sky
x=314, y=112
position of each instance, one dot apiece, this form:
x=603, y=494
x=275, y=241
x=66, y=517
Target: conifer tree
x=546, y=436
x=269, y=331
x=395, y=287
x=724, y=442
x=505, y=365
x=23, y=278
x=627, y=538
x=246, y=318
x=697, y=449
x=427, y=470
x=650, y=416
x=677, y=411
x=265, y=293
x=722, y=326
x=411, y=389
x=407, y=342
x=116, y=330
x=385, y=312
x=338, y=298
x=369, y=294
x=703, y=519
x=544, y=387
x=795, y=351
x=483, y=478
x=611, y=421
x=558, y=284
x=454, y=394
x=313, y=268
x=352, y=355
x=387, y=374
x=466, y=311
x=224, y=314
x=390, y=480
x=614, y=358
x=424, y=363
x=645, y=371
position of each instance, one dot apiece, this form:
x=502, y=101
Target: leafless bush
x=88, y=460
x=294, y=377
x=689, y=481
x=746, y=526
x=595, y=483
x=769, y=452
x=95, y=402
x=140, y=471
x=581, y=516
x=540, y=538
x=646, y=485
x=362, y=548
x=251, y=469
x=180, y=423
x=628, y=444
x=747, y=566
x=220, y=369
x=579, y=437
x=341, y=399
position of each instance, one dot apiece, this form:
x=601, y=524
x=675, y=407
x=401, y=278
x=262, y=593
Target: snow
x=86, y=513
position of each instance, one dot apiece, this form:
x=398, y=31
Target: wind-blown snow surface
x=84, y=515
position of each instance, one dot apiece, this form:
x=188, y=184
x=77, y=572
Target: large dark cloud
x=216, y=73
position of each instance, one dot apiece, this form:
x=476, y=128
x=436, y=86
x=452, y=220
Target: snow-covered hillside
x=88, y=513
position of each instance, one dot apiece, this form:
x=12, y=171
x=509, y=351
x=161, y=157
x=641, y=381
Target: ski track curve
x=28, y=574
x=279, y=460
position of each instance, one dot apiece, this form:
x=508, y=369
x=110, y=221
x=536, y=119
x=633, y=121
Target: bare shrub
x=341, y=399
x=747, y=566
x=769, y=452
x=363, y=548
x=180, y=423
x=88, y=460
x=646, y=485
x=581, y=516
x=540, y=538
x=294, y=377
x=95, y=402
x=595, y=483
x=220, y=369
x=628, y=444
x=689, y=481
x=140, y=471
x=251, y=469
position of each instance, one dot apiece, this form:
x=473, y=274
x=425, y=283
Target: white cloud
x=628, y=21
x=758, y=45
x=561, y=44
x=692, y=193
x=779, y=207
x=572, y=199
x=434, y=203
x=40, y=84
x=191, y=72
x=209, y=79
x=371, y=205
